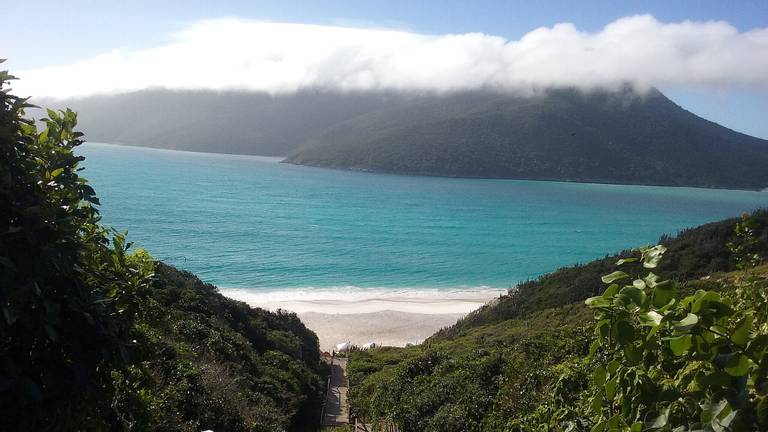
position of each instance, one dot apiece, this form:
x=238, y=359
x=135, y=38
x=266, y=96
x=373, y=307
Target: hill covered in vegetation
x=219, y=122
x=96, y=337
x=604, y=136
x=538, y=360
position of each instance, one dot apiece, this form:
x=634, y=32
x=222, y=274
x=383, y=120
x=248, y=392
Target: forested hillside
x=603, y=137
x=531, y=361
x=95, y=335
x=219, y=122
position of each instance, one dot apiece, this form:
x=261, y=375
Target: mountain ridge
x=565, y=134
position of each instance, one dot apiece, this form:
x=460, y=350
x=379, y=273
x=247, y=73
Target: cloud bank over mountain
x=226, y=54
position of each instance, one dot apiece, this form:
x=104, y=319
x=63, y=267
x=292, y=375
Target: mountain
x=218, y=122
x=604, y=137
x=565, y=134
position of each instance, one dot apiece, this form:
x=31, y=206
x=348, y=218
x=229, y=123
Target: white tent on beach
x=370, y=345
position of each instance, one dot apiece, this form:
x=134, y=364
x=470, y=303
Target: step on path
x=336, y=408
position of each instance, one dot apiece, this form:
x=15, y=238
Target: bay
x=253, y=223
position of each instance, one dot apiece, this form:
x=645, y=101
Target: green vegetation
x=219, y=122
x=93, y=337
x=534, y=360
x=603, y=137
x=698, y=362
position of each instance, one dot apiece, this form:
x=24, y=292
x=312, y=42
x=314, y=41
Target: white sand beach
x=385, y=316
x=386, y=328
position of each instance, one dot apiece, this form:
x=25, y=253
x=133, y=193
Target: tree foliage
x=93, y=337
x=697, y=362
x=69, y=292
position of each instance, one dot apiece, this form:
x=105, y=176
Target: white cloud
x=278, y=57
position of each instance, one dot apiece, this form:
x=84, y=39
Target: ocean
x=265, y=231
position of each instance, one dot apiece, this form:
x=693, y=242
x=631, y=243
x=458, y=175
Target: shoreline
x=387, y=317
x=354, y=300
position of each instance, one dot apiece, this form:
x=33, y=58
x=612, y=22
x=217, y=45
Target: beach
x=385, y=328
x=387, y=317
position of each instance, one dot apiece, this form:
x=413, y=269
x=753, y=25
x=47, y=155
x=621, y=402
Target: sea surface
x=258, y=226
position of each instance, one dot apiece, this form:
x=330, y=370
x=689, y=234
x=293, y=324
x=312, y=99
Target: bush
x=95, y=338
x=697, y=362
x=69, y=294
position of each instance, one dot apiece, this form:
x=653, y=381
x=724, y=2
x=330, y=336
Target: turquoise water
x=250, y=222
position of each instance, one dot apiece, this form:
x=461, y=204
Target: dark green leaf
x=679, y=345
x=598, y=376
x=738, y=365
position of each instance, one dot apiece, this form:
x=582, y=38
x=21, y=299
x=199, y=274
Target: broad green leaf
x=738, y=365
x=662, y=293
x=617, y=275
x=651, y=318
x=597, y=404
x=679, y=345
x=652, y=256
x=624, y=332
x=687, y=323
x=596, y=302
x=610, y=387
x=638, y=283
x=57, y=172
x=626, y=261
x=701, y=298
x=612, y=367
x=598, y=376
x=633, y=296
x=611, y=291
x=741, y=335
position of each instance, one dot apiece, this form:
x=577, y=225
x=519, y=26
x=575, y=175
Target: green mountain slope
x=218, y=122
x=612, y=137
x=520, y=361
x=218, y=364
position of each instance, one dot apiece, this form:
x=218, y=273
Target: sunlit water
x=277, y=229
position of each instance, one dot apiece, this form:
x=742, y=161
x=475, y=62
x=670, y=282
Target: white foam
x=350, y=299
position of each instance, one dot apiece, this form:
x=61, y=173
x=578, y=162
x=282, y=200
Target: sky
x=708, y=56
